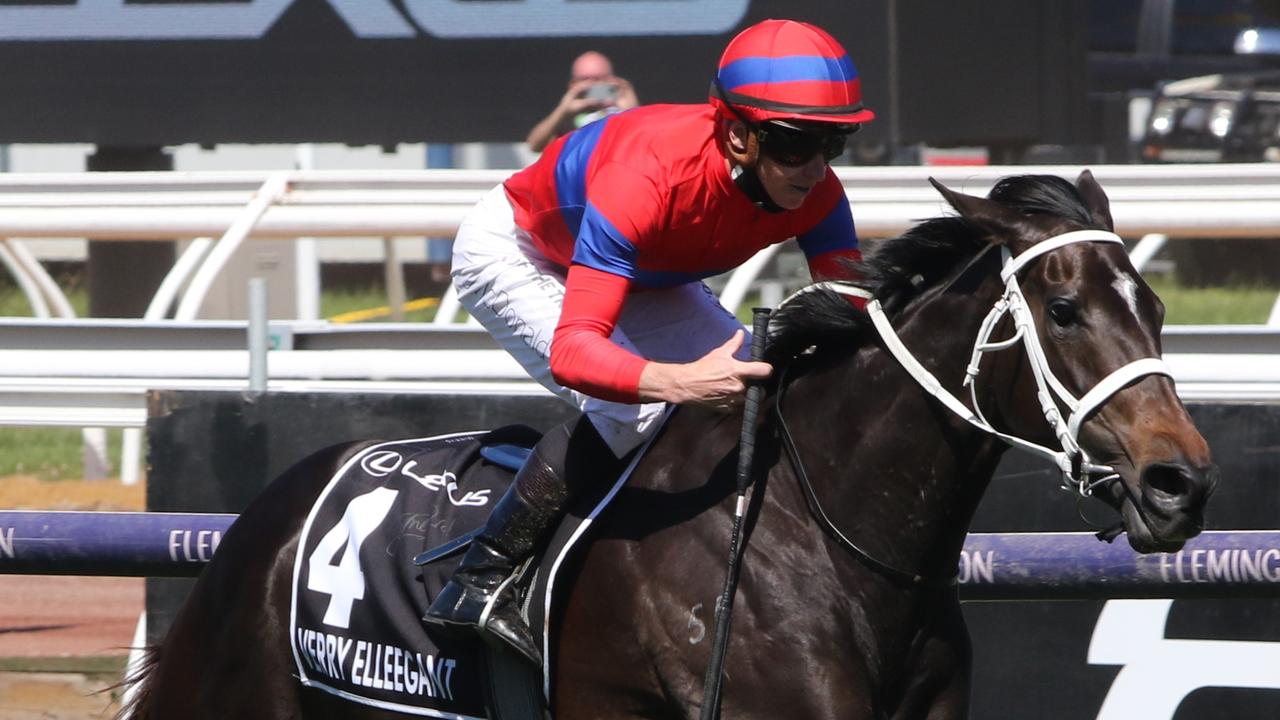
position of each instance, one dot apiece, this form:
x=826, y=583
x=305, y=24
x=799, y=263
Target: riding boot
x=480, y=594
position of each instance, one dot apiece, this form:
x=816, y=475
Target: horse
x=868, y=468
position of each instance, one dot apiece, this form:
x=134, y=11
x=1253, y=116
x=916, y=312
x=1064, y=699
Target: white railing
x=1162, y=201
x=1150, y=203
x=1178, y=200
x=97, y=373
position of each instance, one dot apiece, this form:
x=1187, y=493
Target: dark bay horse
x=855, y=619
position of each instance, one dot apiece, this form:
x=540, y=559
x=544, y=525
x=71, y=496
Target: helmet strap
x=744, y=168
x=748, y=181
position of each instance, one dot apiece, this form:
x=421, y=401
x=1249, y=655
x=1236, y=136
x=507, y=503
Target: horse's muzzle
x=1169, y=507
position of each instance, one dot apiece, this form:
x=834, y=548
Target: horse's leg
x=936, y=677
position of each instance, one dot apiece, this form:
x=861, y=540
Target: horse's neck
x=903, y=472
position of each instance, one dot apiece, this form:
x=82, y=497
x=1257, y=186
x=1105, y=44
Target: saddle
x=358, y=594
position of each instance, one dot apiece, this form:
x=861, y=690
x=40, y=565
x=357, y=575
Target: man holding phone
x=593, y=92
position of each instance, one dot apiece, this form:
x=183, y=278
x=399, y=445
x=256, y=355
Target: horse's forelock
x=901, y=268
x=1044, y=195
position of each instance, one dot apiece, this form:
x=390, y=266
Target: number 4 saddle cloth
x=358, y=597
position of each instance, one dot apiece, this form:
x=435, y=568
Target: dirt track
x=53, y=696
x=64, y=623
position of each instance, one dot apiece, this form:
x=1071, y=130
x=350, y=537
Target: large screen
x=156, y=72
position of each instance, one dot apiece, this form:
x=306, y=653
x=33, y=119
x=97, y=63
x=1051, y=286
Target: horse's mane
x=901, y=269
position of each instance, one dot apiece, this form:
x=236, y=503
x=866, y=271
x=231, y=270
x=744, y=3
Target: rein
x=1072, y=460
x=895, y=573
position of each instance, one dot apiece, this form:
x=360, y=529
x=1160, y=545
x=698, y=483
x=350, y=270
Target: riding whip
x=746, y=450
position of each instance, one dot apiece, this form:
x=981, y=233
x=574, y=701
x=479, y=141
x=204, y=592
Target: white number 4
x=344, y=582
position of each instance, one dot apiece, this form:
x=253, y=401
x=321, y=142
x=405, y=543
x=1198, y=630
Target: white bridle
x=1072, y=459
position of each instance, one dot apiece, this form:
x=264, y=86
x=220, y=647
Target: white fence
x=1177, y=200
x=97, y=372
x=1162, y=201
x=56, y=381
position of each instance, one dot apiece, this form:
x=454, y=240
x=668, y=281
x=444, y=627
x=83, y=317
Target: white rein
x=1072, y=459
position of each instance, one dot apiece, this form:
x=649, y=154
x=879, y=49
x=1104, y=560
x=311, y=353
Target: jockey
x=587, y=267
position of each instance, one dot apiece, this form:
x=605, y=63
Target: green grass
x=14, y=304
x=1230, y=305
x=1237, y=305
x=332, y=303
x=50, y=453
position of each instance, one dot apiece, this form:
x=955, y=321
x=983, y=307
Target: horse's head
x=1095, y=319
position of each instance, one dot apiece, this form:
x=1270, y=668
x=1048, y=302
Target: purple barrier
x=1065, y=566
x=993, y=566
x=130, y=544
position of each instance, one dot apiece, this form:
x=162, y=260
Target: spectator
x=594, y=91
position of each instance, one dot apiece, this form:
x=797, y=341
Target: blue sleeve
x=601, y=246
x=834, y=232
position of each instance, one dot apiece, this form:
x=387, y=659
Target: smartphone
x=604, y=92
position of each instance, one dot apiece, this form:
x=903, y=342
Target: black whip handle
x=746, y=451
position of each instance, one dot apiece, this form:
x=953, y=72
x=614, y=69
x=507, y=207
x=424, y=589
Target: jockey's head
x=787, y=97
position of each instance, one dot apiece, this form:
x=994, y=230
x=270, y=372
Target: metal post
x=257, y=335
x=393, y=277
x=93, y=453
x=307, y=268
x=1155, y=28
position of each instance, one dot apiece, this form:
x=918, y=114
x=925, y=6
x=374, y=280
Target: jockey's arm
x=831, y=247
x=585, y=359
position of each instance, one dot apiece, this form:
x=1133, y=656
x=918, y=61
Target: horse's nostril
x=1170, y=480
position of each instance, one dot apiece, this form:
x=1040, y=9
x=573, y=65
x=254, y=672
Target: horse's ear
x=996, y=216
x=1095, y=198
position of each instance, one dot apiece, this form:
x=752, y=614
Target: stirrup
x=507, y=626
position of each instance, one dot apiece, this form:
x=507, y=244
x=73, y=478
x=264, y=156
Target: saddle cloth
x=358, y=598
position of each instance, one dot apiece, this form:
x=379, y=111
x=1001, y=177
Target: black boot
x=480, y=593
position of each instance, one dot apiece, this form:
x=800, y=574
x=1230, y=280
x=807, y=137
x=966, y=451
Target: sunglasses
x=793, y=146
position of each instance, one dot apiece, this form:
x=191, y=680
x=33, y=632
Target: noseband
x=1078, y=471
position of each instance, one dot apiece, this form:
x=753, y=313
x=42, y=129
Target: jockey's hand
x=716, y=380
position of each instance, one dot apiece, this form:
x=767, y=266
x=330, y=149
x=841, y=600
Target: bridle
x=1072, y=460
x=1078, y=471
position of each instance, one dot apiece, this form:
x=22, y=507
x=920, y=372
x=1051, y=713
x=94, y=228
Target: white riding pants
x=516, y=294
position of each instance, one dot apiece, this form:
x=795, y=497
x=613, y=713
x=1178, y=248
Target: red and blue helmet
x=788, y=70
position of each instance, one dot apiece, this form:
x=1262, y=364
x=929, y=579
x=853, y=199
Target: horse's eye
x=1064, y=312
